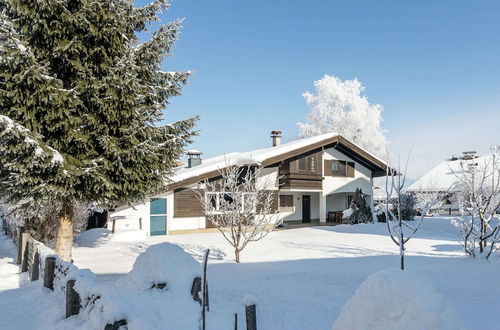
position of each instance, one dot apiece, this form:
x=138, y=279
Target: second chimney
x=276, y=137
x=194, y=158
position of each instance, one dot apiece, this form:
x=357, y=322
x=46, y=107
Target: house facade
x=312, y=180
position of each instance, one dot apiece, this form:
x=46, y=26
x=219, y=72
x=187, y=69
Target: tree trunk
x=64, y=238
x=237, y=255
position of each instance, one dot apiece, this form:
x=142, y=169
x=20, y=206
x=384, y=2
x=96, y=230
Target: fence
x=58, y=275
x=62, y=276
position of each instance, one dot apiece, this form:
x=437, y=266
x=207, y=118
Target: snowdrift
x=395, y=299
x=156, y=293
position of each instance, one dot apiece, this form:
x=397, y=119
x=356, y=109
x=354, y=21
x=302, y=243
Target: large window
x=307, y=164
x=220, y=200
x=342, y=168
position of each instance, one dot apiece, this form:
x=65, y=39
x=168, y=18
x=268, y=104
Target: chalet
x=444, y=178
x=313, y=179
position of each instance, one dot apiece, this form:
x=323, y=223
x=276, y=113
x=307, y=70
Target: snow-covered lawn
x=301, y=278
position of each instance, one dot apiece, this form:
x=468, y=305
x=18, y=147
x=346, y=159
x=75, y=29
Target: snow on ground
x=300, y=278
x=24, y=305
x=393, y=300
x=303, y=277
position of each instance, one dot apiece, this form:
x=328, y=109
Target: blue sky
x=433, y=65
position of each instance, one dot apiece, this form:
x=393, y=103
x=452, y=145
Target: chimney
x=468, y=155
x=276, y=136
x=194, y=158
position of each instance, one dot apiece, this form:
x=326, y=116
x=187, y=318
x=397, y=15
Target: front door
x=306, y=208
x=158, y=216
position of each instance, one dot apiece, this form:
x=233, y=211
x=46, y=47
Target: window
x=307, y=164
x=286, y=202
x=302, y=164
x=339, y=168
x=218, y=200
x=158, y=216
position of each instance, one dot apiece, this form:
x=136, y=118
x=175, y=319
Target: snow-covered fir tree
x=340, y=106
x=81, y=100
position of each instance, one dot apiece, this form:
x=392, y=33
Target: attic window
x=307, y=164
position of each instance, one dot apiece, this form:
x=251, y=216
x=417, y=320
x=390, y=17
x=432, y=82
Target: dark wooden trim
x=350, y=169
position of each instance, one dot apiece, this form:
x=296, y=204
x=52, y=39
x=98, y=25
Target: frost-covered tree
x=401, y=229
x=478, y=193
x=340, y=106
x=81, y=100
x=240, y=204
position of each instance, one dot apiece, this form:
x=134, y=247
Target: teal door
x=158, y=216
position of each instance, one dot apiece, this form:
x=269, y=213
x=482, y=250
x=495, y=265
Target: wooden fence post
x=235, y=321
x=195, y=289
x=115, y=326
x=25, y=259
x=204, y=293
x=251, y=315
x=35, y=269
x=48, y=276
x=20, y=245
x=72, y=299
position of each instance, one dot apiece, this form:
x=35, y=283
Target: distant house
x=317, y=176
x=444, y=179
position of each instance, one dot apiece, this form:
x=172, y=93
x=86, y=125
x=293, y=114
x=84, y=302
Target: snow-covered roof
x=251, y=157
x=444, y=175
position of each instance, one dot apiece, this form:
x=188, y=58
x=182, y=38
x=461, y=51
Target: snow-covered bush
x=408, y=205
x=359, y=211
x=394, y=300
x=163, y=263
x=42, y=225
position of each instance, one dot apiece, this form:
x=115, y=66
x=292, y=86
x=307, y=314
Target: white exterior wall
x=127, y=218
x=362, y=177
x=296, y=214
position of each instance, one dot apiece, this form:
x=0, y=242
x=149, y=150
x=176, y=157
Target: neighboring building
x=314, y=176
x=444, y=179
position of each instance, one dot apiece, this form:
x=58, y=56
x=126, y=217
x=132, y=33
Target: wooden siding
x=186, y=204
x=287, y=183
x=348, y=168
x=293, y=178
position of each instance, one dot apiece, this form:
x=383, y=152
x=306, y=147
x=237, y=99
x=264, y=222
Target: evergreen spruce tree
x=81, y=100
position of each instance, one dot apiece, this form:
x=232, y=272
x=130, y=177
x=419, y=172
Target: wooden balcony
x=291, y=182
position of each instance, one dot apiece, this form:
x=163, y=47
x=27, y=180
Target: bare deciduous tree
x=478, y=192
x=400, y=229
x=240, y=204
